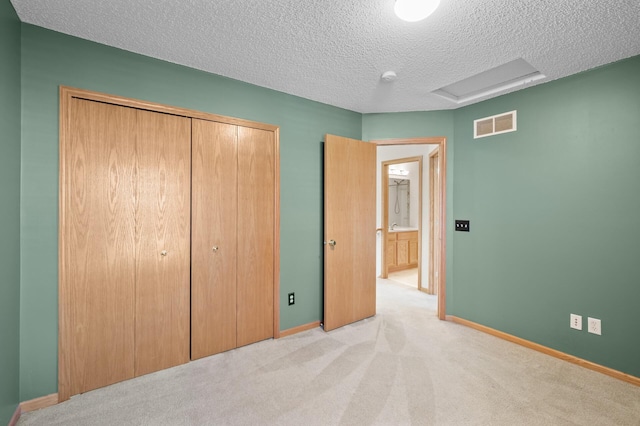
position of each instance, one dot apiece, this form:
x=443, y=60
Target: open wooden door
x=349, y=230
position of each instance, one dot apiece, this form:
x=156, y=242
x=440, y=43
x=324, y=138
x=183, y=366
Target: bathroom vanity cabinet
x=402, y=250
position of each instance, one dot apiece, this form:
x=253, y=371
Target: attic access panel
x=501, y=78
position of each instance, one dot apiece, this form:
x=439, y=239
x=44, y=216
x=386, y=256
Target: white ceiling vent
x=499, y=79
x=494, y=125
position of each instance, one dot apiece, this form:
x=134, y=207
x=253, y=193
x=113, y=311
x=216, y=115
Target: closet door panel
x=163, y=214
x=97, y=280
x=214, y=234
x=256, y=216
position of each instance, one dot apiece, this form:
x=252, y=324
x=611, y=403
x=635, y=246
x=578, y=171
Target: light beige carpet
x=400, y=367
x=408, y=277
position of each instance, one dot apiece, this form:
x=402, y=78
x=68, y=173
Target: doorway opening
x=416, y=255
x=401, y=191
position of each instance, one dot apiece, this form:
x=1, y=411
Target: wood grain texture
x=64, y=301
x=363, y=220
x=413, y=251
x=349, y=196
x=163, y=169
x=402, y=252
x=256, y=239
x=407, y=235
x=67, y=330
x=339, y=259
x=432, y=140
x=214, y=223
x=38, y=403
x=161, y=108
x=434, y=222
x=299, y=329
x=97, y=276
x=391, y=256
x=416, y=245
x=276, y=236
x=548, y=351
x=388, y=253
x=442, y=229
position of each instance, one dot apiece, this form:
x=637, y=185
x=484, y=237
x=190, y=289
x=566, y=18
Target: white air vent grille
x=494, y=125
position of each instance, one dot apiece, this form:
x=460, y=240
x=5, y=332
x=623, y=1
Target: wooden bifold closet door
x=214, y=235
x=168, y=238
x=163, y=217
x=256, y=224
x=124, y=239
x=233, y=222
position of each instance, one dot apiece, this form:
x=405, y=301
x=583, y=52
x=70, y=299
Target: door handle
x=332, y=243
x=163, y=253
x=215, y=249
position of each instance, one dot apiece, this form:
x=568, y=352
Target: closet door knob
x=163, y=253
x=215, y=249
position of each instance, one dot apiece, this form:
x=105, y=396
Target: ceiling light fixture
x=398, y=172
x=415, y=10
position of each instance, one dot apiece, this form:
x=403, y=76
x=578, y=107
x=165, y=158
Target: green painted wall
x=50, y=59
x=551, y=209
x=549, y=204
x=9, y=209
x=553, y=212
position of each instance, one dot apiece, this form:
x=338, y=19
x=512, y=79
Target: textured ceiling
x=334, y=51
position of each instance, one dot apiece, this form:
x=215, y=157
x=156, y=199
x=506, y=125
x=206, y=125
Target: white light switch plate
x=576, y=321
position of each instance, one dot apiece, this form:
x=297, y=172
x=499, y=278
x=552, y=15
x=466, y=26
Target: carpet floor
x=401, y=367
x=408, y=277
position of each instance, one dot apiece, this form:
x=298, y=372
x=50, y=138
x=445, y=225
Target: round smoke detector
x=388, y=76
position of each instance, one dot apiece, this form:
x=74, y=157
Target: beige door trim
x=442, y=142
x=434, y=251
x=66, y=96
x=385, y=213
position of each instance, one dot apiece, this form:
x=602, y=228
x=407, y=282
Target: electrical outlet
x=292, y=298
x=576, y=321
x=594, y=326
